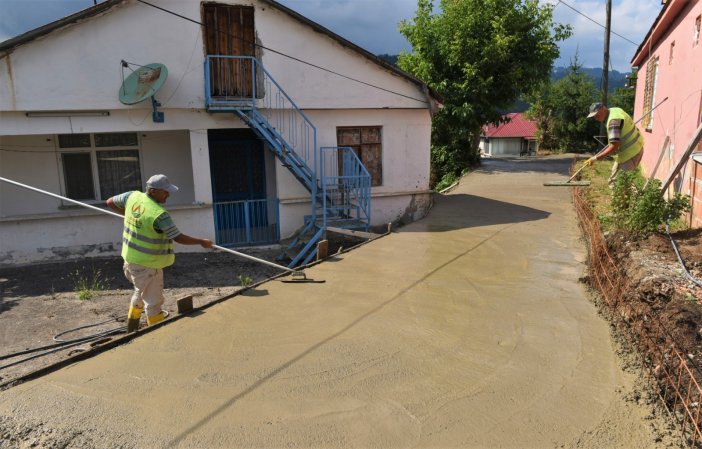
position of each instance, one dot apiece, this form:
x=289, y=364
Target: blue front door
x=243, y=215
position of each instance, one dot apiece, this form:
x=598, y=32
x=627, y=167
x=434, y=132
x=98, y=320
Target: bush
x=642, y=210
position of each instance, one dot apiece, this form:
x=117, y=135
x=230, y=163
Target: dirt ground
x=657, y=280
x=40, y=301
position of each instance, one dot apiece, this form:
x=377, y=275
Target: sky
x=372, y=24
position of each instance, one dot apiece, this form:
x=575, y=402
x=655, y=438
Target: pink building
x=670, y=83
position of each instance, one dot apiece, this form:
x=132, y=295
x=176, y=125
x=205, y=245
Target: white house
x=248, y=95
x=514, y=137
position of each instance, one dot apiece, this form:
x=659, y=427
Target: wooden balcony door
x=229, y=31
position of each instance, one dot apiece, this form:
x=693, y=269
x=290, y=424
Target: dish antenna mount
x=143, y=83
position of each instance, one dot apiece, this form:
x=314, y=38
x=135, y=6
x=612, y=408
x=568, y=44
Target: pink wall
x=681, y=82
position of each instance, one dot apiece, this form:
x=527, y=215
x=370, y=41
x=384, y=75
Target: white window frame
x=93, y=150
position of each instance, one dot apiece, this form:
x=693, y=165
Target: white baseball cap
x=161, y=182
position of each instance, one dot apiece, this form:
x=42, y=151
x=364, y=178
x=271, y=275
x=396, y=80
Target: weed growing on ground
x=245, y=280
x=87, y=286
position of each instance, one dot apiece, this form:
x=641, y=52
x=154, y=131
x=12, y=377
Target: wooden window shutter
x=649, y=89
x=366, y=142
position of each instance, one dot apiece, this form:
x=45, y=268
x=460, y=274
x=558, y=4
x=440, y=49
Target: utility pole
x=605, y=64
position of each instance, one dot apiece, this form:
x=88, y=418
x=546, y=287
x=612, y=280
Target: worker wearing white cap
x=624, y=141
x=147, y=246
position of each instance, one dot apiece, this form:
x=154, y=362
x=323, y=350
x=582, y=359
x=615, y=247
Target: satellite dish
x=143, y=83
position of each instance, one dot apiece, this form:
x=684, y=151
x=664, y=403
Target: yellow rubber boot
x=151, y=320
x=133, y=318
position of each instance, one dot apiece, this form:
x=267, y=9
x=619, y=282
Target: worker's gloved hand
x=590, y=161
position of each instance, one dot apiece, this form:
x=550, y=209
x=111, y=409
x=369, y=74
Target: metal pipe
x=256, y=259
x=105, y=211
x=19, y=184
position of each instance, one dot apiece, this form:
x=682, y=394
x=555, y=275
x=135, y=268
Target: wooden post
x=322, y=249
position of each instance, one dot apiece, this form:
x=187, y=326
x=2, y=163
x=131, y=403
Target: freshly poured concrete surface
x=466, y=329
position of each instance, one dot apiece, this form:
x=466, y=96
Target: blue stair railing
x=346, y=187
x=241, y=85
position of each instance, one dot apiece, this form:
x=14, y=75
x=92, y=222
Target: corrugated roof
x=518, y=126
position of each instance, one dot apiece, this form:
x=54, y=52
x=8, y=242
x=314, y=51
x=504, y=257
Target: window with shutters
x=672, y=53
x=98, y=166
x=367, y=143
x=696, y=34
x=650, y=92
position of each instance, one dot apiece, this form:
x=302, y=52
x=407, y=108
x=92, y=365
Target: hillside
x=616, y=79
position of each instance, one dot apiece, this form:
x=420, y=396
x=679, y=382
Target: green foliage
x=480, y=56
x=560, y=112
x=86, y=286
x=642, y=210
x=624, y=97
x=245, y=280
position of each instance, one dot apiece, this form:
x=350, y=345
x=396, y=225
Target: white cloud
x=631, y=20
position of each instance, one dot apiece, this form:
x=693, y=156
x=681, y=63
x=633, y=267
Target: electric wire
x=680, y=259
x=284, y=54
x=593, y=21
x=62, y=344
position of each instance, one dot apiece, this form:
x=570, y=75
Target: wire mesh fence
x=669, y=370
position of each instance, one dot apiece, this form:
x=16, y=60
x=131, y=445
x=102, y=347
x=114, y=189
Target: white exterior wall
x=406, y=138
x=504, y=146
x=84, y=233
x=77, y=68
x=85, y=64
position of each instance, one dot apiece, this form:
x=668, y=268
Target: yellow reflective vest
x=141, y=244
x=631, y=142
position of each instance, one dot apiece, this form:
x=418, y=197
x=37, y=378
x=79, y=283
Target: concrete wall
x=84, y=233
x=680, y=80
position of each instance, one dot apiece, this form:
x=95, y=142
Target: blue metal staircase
x=338, y=182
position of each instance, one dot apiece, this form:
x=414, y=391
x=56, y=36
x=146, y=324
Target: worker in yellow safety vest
x=147, y=246
x=624, y=141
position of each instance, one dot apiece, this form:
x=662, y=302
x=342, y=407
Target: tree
x=480, y=55
x=624, y=97
x=571, y=100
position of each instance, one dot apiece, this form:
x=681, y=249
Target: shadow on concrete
x=558, y=165
x=466, y=211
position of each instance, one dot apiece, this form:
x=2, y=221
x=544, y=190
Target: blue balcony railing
x=250, y=222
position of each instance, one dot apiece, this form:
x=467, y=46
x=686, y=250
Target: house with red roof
x=515, y=137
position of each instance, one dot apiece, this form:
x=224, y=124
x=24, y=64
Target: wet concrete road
x=466, y=329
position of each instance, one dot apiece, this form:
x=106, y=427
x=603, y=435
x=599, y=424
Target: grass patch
x=86, y=286
x=628, y=206
x=599, y=194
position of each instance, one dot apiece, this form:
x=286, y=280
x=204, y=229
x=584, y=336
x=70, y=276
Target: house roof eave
x=10, y=44
x=434, y=99
x=660, y=26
